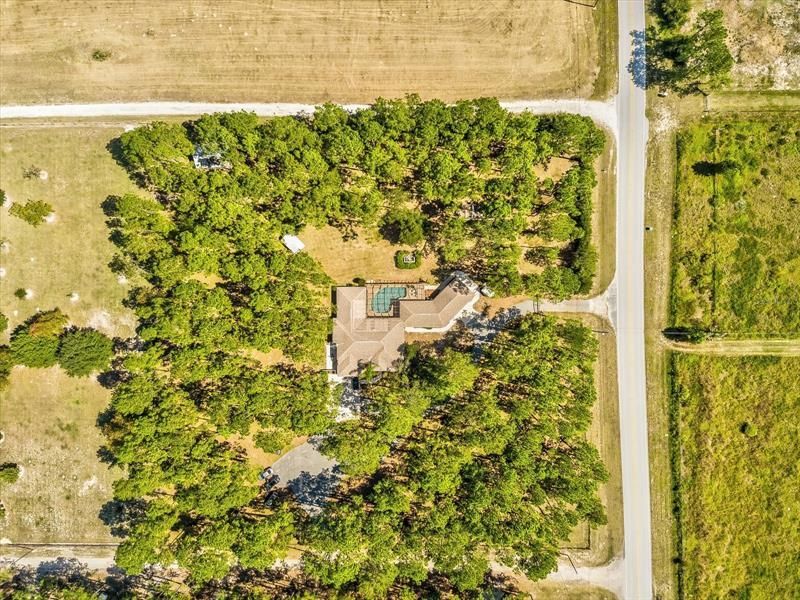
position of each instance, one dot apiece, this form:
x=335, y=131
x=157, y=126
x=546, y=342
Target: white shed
x=293, y=243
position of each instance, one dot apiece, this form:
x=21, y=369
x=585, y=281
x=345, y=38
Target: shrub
x=101, y=55
x=399, y=259
x=9, y=473
x=33, y=211
x=3, y=322
x=48, y=324
x=20, y=293
x=3, y=197
x=83, y=351
x=33, y=350
x=32, y=172
x=6, y=364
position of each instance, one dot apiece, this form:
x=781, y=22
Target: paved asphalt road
x=630, y=312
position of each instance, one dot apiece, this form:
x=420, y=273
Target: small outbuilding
x=210, y=161
x=293, y=243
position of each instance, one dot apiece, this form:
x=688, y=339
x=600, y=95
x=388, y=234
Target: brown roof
x=360, y=339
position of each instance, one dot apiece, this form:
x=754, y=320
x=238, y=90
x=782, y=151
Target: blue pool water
x=382, y=301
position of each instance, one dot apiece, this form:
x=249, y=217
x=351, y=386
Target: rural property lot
x=304, y=50
x=738, y=456
x=49, y=419
x=70, y=254
x=49, y=422
x=737, y=219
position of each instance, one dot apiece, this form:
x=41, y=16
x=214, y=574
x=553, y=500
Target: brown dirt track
x=300, y=50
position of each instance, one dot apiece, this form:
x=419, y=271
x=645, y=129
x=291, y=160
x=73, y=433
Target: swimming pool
x=382, y=300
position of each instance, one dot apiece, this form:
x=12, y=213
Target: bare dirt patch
x=301, y=50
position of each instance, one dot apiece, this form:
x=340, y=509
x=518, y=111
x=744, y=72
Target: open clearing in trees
x=304, y=50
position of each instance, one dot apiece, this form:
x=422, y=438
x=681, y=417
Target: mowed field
x=739, y=422
x=72, y=253
x=304, y=50
x=49, y=419
x=49, y=422
x=736, y=246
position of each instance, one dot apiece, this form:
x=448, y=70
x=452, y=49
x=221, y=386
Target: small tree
x=3, y=322
x=32, y=212
x=9, y=473
x=101, y=55
x=33, y=350
x=6, y=364
x=48, y=324
x=404, y=226
x=20, y=293
x=83, y=351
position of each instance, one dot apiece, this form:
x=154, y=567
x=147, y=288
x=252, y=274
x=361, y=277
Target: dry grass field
x=303, y=50
x=48, y=418
x=70, y=254
x=49, y=425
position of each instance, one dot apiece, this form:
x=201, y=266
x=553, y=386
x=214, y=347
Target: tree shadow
x=313, y=491
x=111, y=378
x=637, y=66
x=708, y=168
x=119, y=515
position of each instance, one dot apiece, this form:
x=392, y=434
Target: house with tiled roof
x=372, y=320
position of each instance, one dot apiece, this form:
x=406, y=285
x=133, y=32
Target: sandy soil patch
x=764, y=36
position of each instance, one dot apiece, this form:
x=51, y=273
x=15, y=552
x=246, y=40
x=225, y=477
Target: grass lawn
x=368, y=256
x=739, y=428
x=70, y=254
x=736, y=251
x=49, y=423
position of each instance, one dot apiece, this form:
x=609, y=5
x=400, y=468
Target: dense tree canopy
x=460, y=178
x=466, y=462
